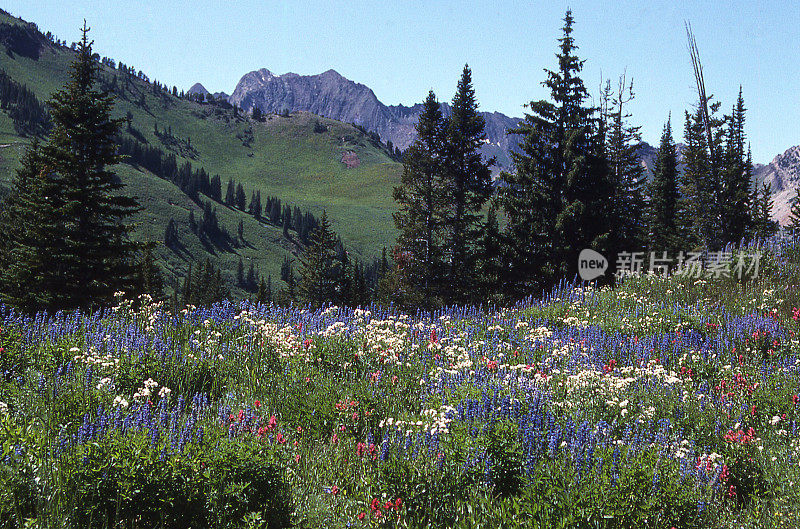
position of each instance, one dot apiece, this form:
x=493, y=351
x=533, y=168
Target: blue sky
x=403, y=49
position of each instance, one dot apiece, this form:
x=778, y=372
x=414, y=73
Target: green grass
x=286, y=158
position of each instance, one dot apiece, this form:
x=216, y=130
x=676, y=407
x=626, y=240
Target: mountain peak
x=197, y=88
x=265, y=74
x=332, y=73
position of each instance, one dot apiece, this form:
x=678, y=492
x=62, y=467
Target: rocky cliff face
x=782, y=174
x=331, y=95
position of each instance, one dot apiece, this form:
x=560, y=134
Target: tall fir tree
x=90, y=256
x=764, y=225
x=230, y=194
x=557, y=202
x=469, y=185
x=626, y=173
x=737, y=171
x=662, y=214
x=29, y=231
x=490, y=259
x=422, y=199
x=321, y=271
x=149, y=279
x=240, y=197
x=701, y=180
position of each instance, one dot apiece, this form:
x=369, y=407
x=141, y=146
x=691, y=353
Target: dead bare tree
x=694, y=53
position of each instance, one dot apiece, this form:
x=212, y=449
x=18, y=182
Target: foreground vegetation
x=666, y=402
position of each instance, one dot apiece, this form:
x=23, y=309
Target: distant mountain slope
x=331, y=95
x=782, y=174
x=197, y=88
x=296, y=158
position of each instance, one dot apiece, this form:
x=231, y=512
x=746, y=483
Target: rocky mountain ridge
x=782, y=174
x=331, y=95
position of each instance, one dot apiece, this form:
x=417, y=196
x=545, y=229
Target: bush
x=126, y=482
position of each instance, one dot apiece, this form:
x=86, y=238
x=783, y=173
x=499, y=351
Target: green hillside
x=296, y=158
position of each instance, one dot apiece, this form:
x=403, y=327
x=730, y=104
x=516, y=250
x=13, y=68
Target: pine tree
x=626, y=173
x=186, y=290
x=765, y=226
x=287, y=221
x=321, y=271
x=663, y=225
x=701, y=183
x=171, y=237
x=29, y=230
x=423, y=201
x=251, y=281
x=216, y=189
x=736, y=174
x=490, y=258
x=255, y=204
x=240, y=273
x=240, y=197
x=558, y=200
x=262, y=296
x=468, y=187
x=230, y=194
x=205, y=286
x=91, y=257
x=148, y=275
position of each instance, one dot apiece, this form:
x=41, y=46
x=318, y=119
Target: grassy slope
x=286, y=159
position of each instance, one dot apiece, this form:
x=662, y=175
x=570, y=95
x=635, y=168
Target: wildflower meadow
x=663, y=402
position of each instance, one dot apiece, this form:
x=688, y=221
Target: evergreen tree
x=626, y=174
x=764, y=225
x=216, y=189
x=255, y=204
x=90, y=255
x=468, y=180
x=422, y=199
x=251, y=281
x=171, y=237
x=287, y=220
x=321, y=270
x=240, y=273
x=736, y=174
x=148, y=275
x=490, y=260
x=558, y=200
x=286, y=267
x=240, y=197
x=186, y=290
x=29, y=232
x=204, y=286
x=663, y=224
x=230, y=194
x=264, y=294
x=701, y=184
x=291, y=284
